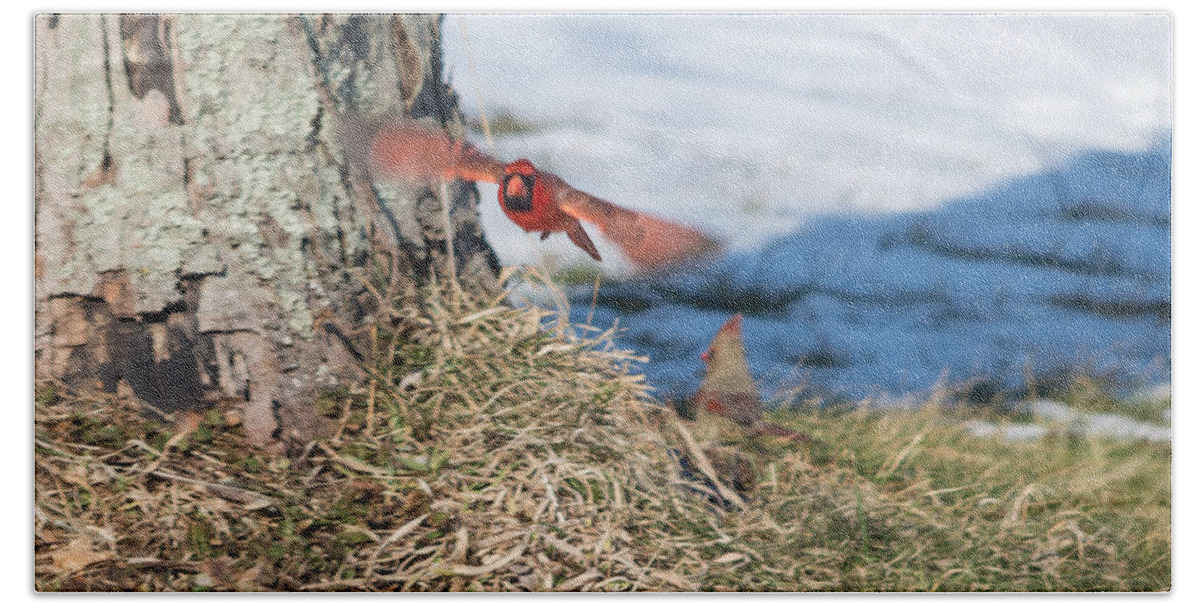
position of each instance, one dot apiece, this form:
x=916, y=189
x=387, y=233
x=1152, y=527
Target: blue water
x=1062, y=272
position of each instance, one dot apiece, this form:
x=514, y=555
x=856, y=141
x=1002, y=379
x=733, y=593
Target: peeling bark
x=197, y=224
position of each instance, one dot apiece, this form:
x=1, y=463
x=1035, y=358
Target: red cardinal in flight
x=534, y=200
x=728, y=390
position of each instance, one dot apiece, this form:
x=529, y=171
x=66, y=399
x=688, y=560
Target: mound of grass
x=494, y=451
x=488, y=452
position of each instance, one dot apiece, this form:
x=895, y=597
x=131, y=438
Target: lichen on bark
x=197, y=224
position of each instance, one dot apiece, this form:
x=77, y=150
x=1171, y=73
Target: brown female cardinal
x=729, y=422
x=728, y=392
x=534, y=200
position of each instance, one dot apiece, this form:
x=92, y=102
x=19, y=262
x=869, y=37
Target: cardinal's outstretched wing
x=407, y=148
x=648, y=241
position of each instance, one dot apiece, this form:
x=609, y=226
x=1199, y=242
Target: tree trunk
x=200, y=235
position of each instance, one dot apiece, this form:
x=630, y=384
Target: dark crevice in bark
x=276, y=408
x=83, y=297
x=408, y=62
x=319, y=61
x=157, y=355
x=191, y=276
x=352, y=48
x=106, y=162
x=169, y=384
x=148, y=62
x=314, y=131
x=347, y=51
x=161, y=316
x=436, y=98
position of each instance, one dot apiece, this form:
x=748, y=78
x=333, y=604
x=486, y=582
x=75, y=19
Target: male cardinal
x=535, y=200
x=728, y=392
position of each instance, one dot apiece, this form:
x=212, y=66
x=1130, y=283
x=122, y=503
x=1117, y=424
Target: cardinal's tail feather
x=580, y=237
x=649, y=242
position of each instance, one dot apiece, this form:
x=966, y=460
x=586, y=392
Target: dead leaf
x=219, y=571
x=248, y=580
x=249, y=499
x=77, y=555
x=729, y=557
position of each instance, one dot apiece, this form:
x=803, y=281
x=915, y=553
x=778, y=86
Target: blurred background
x=979, y=202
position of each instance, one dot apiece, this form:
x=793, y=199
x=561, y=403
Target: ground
x=497, y=450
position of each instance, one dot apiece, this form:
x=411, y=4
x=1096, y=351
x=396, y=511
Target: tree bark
x=200, y=235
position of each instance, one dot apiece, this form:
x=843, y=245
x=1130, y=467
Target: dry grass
x=487, y=453
x=493, y=452
x=942, y=509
